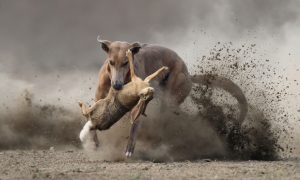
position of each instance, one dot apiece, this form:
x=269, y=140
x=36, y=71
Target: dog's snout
x=117, y=85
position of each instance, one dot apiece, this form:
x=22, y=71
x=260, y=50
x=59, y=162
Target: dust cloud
x=212, y=129
x=49, y=59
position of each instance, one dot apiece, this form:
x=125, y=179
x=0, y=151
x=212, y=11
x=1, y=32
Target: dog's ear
x=104, y=44
x=135, y=47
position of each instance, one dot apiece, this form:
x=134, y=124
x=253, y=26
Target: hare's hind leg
x=155, y=74
x=131, y=66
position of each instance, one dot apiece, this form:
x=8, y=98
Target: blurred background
x=49, y=53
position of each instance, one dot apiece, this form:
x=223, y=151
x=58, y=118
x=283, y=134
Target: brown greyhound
x=175, y=84
x=105, y=112
x=147, y=58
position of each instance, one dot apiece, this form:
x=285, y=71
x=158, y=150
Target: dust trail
x=49, y=47
x=27, y=125
x=213, y=130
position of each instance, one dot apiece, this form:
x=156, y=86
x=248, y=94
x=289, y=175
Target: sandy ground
x=74, y=164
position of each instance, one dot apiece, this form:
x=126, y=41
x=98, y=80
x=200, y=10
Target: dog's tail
x=229, y=86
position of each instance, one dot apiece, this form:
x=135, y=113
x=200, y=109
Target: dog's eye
x=125, y=63
x=111, y=63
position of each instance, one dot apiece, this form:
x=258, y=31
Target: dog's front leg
x=104, y=83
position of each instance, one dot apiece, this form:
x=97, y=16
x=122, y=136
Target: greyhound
x=105, y=112
x=147, y=58
x=175, y=84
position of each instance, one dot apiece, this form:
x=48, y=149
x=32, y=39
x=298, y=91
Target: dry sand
x=73, y=164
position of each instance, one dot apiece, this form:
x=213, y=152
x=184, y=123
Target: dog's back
x=151, y=57
x=176, y=83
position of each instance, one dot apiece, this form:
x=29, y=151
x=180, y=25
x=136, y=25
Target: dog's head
x=118, y=66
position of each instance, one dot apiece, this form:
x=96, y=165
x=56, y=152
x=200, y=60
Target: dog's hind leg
x=178, y=86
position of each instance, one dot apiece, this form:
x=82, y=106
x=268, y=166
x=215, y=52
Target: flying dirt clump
x=264, y=85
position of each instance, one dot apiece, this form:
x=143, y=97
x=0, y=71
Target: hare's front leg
x=146, y=96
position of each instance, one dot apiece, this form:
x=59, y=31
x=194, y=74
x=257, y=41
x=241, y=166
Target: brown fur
x=176, y=84
x=134, y=96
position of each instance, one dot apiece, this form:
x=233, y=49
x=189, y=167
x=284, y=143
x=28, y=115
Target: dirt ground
x=74, y=164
